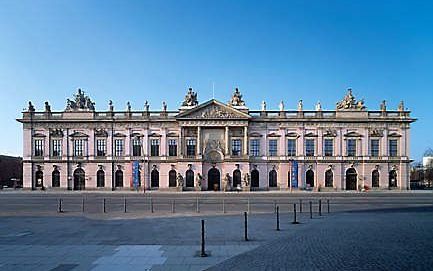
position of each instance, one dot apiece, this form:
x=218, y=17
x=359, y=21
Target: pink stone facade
x=80, y=148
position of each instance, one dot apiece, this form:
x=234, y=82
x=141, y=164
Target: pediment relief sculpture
x=350, y=103
x=310, y=134
x=119, y=135
x=213, y=110
x=37, y=134
x=292, y=134
x=352, y=134
x=101, y=132
x=394, y=134
x=80, y=102
x=330, y=133
x=154, y=135
x=172, y=134
x=255, y=134
x=136, y=134
x=213, y=145
x=376, y=133
x=56, y=133
x=78, y=134
x=273, y=134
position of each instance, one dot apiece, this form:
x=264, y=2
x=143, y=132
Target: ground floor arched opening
x=309, y=178
x=255, y=178
x=214, y=179
x=351, y=179
x=79, y=179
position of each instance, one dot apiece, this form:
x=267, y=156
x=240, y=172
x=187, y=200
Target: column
x=226, y=137
x=245, y=147
x=181, y=142
x=198, y=140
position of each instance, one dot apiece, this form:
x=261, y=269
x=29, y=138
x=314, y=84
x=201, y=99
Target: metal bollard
x=300, y=206
x=203, y=252
x=320, y=207
x=311, y=210
x=103, y=205
x=224, y=207
x=173, y=207
x=197, y=206
x=327, y=201
x=278, y=218
x=82, y=205
x=60, y=209
x=124, y=204
x=151, y=205
x=245, y=226
x=295, y=221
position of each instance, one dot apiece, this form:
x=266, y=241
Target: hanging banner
x=136, y=174
x=294, y=174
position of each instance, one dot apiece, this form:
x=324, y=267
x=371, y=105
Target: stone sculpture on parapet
x=80, y=102
x=190, y=98
x=350, y=103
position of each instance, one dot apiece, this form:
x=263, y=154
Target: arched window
x=100, y=178
x=39, y=176
x=255, y=179
x=119, y=178
x=392, y=178
x=375, y=178
x=55, y=180
x=273, y=178
x=79, y=179
x=329, y=178
x=154, y=178
x=189, y=175
x=309, y=178
x=172, y=178
x=236, y=178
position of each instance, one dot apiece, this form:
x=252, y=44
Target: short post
x=103, y=205
x=300, y=206
x=82, y=205
x=327, y=201
x=60, y=209
x=278, y=218
x=295, y=221
x=248, y=206
x=275, y=206
x=173, y=207
x=124, y=204
x=197, y=206
x=320, y=207
x=245, y=226
x=311, y=210
x=224, y=207
x=151, y=205
x=203, y=252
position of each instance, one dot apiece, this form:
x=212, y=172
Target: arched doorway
x=39, y=175
x=392, y=178
x=100, y=178
x=79, y=179
x=273, y=178
x=375, y=176
x=172, y=178
x=189, y=176
x=329, y=178
x=236, y=178
x=255, y=178
x=118, y=176
x=309, y=178
x=351, y=179
x=55, y=178
x=154, y=178
x=213, y=177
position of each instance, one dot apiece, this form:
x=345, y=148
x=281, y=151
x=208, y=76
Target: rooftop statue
x=318, y=106
x=350, y=103
x=263, y=106
x=281, y=106
x=237, y=99
x=383, y=106
x=31, y=107
x=47, y=107
x=146, y=106
x=190, y=98
x=81, y=102
x=300, y=105
x=401, y=106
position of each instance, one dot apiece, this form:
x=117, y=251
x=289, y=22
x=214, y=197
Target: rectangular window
x=172, y=147
x=328, y=147
x=154, y=147
x=309, y=147
x=393, y=149
x=57, y=148
x=101, y=147
x=273, y=147
x=255, y=147
x=374, y=147
x=118, y=147
x=291, y=147
x=79, y=147
x=351, y=147
x=236, y=147
x=136, y=147
x=39, y=147
x=190, y=147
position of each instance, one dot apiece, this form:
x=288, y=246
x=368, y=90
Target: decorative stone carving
x=227, y=183
x=236, y=99
x=56, y=133
x=330, y=133
x=383, y=106
x=110, y=106
x=213, y=145
x=190, y=98
x=31, y=108
x=179, y=180
x=300, y=105
x=376, y=132
x=128, y=107
x=281, y=106
x=81, y=102
x=146, y=106
x=101, y=132
x=401, y=106
x=164, y=106
x=350, y=103
x=47, y=107
x=263, y=106
x=216, y=112
x=198, y=181
x=246, y=180
x=318, y=106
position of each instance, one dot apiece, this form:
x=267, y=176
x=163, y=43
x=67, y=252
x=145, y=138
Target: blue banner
x=294, y=174
x=135, y=174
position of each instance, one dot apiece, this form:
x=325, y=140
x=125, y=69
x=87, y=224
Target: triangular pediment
x=213, y=109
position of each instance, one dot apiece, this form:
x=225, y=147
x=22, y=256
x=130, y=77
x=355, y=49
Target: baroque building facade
x=216, y=146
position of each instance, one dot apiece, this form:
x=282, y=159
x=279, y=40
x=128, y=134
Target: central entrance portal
x=213, y=177
x=351, y=177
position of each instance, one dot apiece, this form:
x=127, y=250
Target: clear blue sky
x=154, y=50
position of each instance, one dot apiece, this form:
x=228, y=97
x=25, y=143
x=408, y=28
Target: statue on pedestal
x=281, y=106
x=401, y=106
x=318, y=106
x=190, y=98
x=227, y=183
x=300, y=105
x=237, y=99
x=47, y=107
x=263, y=106
x=349, y=102
x=31, y=108
x=179, y=180
x=198, y=181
